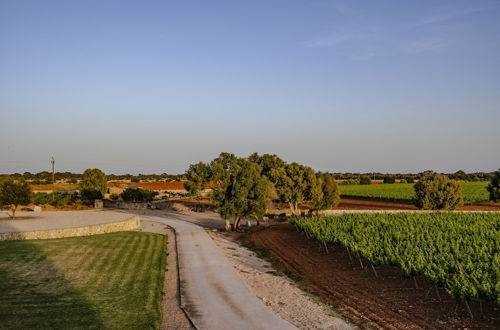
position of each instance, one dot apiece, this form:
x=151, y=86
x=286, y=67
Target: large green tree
x=244, y=192
x=197, y=178
x=93, y=184
x=14, y=193
x=295, y=184
x=494, y=187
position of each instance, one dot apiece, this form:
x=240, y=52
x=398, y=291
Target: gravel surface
x=46, y=220
x=277, y=292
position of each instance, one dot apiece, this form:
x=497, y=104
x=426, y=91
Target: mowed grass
x=110, y=281
x=473, y=192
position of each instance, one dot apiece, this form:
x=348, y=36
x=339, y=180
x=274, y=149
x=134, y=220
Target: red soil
x=387, y=301
x=367, y=204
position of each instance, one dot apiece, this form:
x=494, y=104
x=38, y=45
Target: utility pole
x=53, y=162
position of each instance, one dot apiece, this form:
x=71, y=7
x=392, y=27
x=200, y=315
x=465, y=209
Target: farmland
x=473, y=192
x=103, y=281
x=457, y=251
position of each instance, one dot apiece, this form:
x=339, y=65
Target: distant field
x=111, y=281
x=473, y=191
x=56, y=187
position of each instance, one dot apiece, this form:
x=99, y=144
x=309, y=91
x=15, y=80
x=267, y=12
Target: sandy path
x=213, y=295
x=277, y=292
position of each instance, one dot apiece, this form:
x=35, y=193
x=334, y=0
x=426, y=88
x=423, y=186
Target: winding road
x=212, y=294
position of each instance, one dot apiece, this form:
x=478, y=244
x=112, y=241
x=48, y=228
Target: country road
x=212, y=294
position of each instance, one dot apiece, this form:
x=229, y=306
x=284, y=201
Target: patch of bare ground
x=276, y=290
x=173, y=316
x=387, y=301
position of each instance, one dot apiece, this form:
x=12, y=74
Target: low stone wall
x=130, y=224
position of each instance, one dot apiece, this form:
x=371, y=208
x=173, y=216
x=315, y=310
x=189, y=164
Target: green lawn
x=473, y=191
x=111, y=281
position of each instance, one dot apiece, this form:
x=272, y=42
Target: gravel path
x=47, y=220
x=213, y=295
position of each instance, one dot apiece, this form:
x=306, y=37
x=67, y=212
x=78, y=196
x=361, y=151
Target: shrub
x=365, y=179
x=138, y=195
x=389, y=179
x=350, y=182
x=403, y=181
x=438, y=193
x=410, y=179
x=93, y=180
x=494, y=187
x=134, y=179
x=91, y=195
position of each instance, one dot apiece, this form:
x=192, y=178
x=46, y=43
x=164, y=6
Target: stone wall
x=130, y=224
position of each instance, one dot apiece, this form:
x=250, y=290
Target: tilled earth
x=387, y=301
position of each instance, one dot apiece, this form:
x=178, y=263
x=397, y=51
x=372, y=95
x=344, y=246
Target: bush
x=138, y=195
x=403, y=181
x=365, y=179
x=410, y=179
x=134, y=179
x=389, y=179
x=91, y=195
x=350, y=182
x=494, y=187
x=438, y=193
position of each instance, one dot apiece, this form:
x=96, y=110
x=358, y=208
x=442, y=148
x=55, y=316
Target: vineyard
x=457, y=251
x=473, y=192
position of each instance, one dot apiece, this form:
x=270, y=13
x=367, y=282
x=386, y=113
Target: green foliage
x=438, y=193
x=410, y=179
x=138, y=195
x=91, y=195
x=389, y=179
x=93, y=180
x=56, y=199
x=473, y=191
x=403, y=181
x=350, y=182
x=243, y=193
x=135, y=179
x=494, y=187
x=365, y=179
x=330, y=192
x=294, y=184
x=14, y=193
x=456, y=250
x=197, y=178
x=267, y=162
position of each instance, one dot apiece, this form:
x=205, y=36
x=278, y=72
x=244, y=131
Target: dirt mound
x=387, y=301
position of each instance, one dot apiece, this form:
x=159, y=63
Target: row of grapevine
x=458, y=251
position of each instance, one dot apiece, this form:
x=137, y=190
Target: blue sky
x=152, y=86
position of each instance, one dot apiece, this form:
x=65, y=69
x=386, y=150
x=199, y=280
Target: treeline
x=410, y=177
x=45, y=177
x=244, y=187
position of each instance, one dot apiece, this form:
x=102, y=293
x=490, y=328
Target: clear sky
x=152, y=86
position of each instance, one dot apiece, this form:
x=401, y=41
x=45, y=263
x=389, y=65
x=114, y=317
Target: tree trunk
x=237, y=223
x=13, y=209
x=228, y=225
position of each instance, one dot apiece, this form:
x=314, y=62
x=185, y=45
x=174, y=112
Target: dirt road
x=211, y=292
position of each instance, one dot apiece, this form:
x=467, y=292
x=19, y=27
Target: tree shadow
x=34, y=294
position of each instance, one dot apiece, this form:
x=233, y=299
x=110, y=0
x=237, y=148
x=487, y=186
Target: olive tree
x=197, y=178
x=93, y=184
x=494, y=187
x=294, y=184
x=438, y=193
x=244, y=192
x=14, y=193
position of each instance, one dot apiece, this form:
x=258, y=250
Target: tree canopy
x=14, y=193
x=93, y=181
